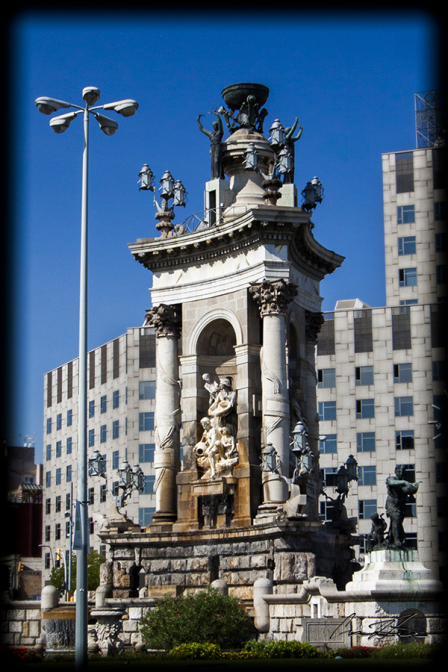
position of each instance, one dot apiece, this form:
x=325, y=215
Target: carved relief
x=273, y=297
x=217, y=452
x=313, y=324
x=167, y=320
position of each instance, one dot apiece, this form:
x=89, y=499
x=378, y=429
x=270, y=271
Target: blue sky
x=349, y=77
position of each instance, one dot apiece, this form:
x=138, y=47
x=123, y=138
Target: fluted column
x=273, y=298
x=167, y=322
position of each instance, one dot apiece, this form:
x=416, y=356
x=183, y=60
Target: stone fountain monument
x=237, y=310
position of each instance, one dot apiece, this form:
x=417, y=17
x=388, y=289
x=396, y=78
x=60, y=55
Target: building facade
x=121, y=399
x=381, y=372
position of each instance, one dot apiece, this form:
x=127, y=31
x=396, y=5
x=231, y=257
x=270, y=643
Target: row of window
x=407, y=277
x=146, y=423
x=364, y=374
x=366, y=507
x=365, y=442
x=404, y=170
x=365, y=408
x=408, y=245
x=406, y=213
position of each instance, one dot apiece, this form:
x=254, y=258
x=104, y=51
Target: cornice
x=257, y=226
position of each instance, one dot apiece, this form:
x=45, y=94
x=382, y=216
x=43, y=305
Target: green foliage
x=94, y=560
x=207, y=617
x=282, y=649
x=411, y=650
x=355, y=652
x=196, y=652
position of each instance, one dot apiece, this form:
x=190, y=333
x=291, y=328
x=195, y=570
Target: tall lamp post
x=60, y=124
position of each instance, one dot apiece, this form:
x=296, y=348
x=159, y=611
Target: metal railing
x=210, y=217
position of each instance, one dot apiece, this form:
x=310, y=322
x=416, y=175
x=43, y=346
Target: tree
x=205, y=617
x=94, y=560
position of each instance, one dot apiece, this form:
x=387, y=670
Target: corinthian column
x=167, y=322
x=273, y=298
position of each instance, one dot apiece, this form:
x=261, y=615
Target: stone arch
x=219, y=315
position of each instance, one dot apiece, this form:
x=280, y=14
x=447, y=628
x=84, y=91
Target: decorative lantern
x=342, y=480
x=138, y=478
x=312, y=194
x=299, y=437
x=97, y=466
x=277, y=133
x=250, y=157
x=146, y=178
x=284, y=162
x=125, y=474
x=352, y=468
x=269, y=458
x=167, y=187
x=179, y=194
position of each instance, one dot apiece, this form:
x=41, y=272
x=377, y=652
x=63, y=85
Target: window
x=437, y=326
x=91, y=526
x=440, y=211
x=363, y=330
x=326, y=510
x=441, y=472
x=49, y=389
x=59, y=421
x=69, y=380
x=404, y=172
x=67, y=501
x=91, y=370
x=115, y=459
x=91, y=408
x=327, y=410
x=146, y=421
x=408, y=302
x=48, y=479
x=91, y=496
x=366, y=507
x=58, y=448
x=47, y=506
x=365, y=408
x=57, y=531
x=149, y=485
x=69, y=418
x=145, y=515
x=439, y=370
x=404, y=406
x=103, y=364
x=103, y=404
x=68, y=473
x=405, y=214
x=325, y=339
x=103, y=493
x=48, y=425
x=146, y=452
x=367, y=475
x=402, y=373
x=326, y=378
x=364, y=375
x=406, y=246
x=147, y=389
x=115, y=489
x=438, y=168
x=47, y=532
x=442, y=507
x=401, y=328
x=440, y=242
x=404, y=439
x=58, y=476
x=58, y=504
x=329, y=476
x=115, y=399
x=67, y=529
x=47, y=559
x=329, y=445
x=48, y=451
x=116, y=358
x=91, y=437
x=441, y=275
x=407, y=277
x=115, y=429
x=147, y=349
x=103, y=433
x=365, y=442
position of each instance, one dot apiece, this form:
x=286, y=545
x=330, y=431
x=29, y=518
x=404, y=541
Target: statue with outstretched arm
x=215, y=145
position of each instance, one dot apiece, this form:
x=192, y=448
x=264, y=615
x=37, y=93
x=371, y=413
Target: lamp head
x=108, y=126
x=49, y=105
x=61, y=123
x=127, y=108
x=91, y=95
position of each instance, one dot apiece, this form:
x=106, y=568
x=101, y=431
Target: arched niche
x=217, y=339
x=219, y=316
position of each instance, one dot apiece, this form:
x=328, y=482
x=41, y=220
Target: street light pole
x=60, y=124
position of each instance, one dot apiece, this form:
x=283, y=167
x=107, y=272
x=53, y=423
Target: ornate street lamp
x=250, y=157
x=97, y=465
x=46, y=105
x=312, y=194
x=277, y=133
x=169, y=190
x=130, y=480
x=269, y=457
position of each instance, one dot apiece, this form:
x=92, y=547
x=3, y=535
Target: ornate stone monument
x=237, y=310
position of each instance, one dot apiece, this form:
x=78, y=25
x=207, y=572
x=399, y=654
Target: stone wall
x=20, y=623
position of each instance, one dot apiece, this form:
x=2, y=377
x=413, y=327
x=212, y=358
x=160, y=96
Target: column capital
x=167, y=320
x=273, y=296
x=313, y=324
